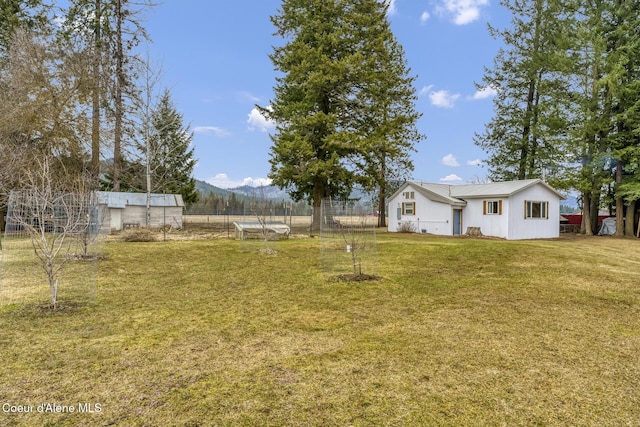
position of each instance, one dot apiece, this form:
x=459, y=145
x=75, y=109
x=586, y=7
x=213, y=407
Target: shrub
x=407, y=227
x=140, y=235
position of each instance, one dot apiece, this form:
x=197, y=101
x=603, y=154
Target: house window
x=409, y=195
x=409, y=208
x=492, y=207
x=536, y=210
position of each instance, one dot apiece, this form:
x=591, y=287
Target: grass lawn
x=459, y=332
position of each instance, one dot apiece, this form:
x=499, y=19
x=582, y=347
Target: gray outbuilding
x=120, y=211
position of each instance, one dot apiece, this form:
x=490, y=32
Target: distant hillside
x=205, y=188
x=268, y=192
x=243, y=192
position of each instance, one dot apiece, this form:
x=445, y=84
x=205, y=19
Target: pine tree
x=385, y=114
x=335, y=53
x=624, y=76
x=526, y=134
x=171, y=161
x=606, y=113
x=87, y=23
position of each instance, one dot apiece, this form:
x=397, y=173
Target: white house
x=527, y=209
x=127, y=210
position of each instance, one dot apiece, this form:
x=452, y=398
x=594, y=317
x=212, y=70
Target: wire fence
x=51, y=248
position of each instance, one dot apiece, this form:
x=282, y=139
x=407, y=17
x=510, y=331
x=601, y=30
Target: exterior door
x=457, y=222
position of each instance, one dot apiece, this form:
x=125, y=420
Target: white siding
x=491, y=224
x=522, y=228
x=437, y=217
x=159, y=216
x=430, y=217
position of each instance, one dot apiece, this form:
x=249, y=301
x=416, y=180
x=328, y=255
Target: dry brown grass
x=460, y=331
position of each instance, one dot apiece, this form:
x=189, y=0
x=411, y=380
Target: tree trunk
x=595, y=210
x=585, y=227
x=382, y=218
x=631, y=219
x=318, y=195
x=95, y=107
x=119, y=107
x=524, y=148
x=619, y=201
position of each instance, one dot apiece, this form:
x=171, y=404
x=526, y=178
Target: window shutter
x=415, y=212
x=546, y=209
x=525, y=209
x=499, y=207
x=403, y=208
x=484, y=207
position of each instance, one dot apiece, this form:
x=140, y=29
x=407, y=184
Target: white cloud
x=256, y=182
x=444, y=99
x=475, y=162
x=248, y=96
x=484, y=93
x=222, y=180
x=462, y=12
x=450, y=160
x=451, y=178
x=392, y=7
x=424, y=17
x=257, y=121
x=426, y=89
x=211, y=130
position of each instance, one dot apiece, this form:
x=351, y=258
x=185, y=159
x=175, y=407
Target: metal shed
x=120, y=211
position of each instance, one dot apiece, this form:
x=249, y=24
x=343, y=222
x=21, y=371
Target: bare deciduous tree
x=41, y=107
x=261, y=211
x=354, y=235
x=56, y=215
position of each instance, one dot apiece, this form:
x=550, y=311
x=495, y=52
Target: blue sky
x=214, y=56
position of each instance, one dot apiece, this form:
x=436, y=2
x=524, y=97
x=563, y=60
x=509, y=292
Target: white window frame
x=413, y=208
x=542, y=208
x=493, y=207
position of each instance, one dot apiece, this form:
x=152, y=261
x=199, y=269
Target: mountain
x=267, y=191
x=270, y=192
x=205, y=188
x=244, y=191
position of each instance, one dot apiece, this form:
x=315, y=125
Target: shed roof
x=122, y=200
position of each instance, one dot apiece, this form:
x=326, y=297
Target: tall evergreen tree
x=325, y=87
x=87, y=23
x=171, y=160
x=526, y=134
x=625, y=77
x=385, y=114
x=606, y=73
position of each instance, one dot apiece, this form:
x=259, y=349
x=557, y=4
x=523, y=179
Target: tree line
x=567, y=105
x=76, y=93
x=214, y=204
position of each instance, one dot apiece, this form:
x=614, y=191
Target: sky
x=215, y=60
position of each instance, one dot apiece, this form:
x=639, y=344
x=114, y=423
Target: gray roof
x=497, y=189
x=121, y=200
x=457, y=194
